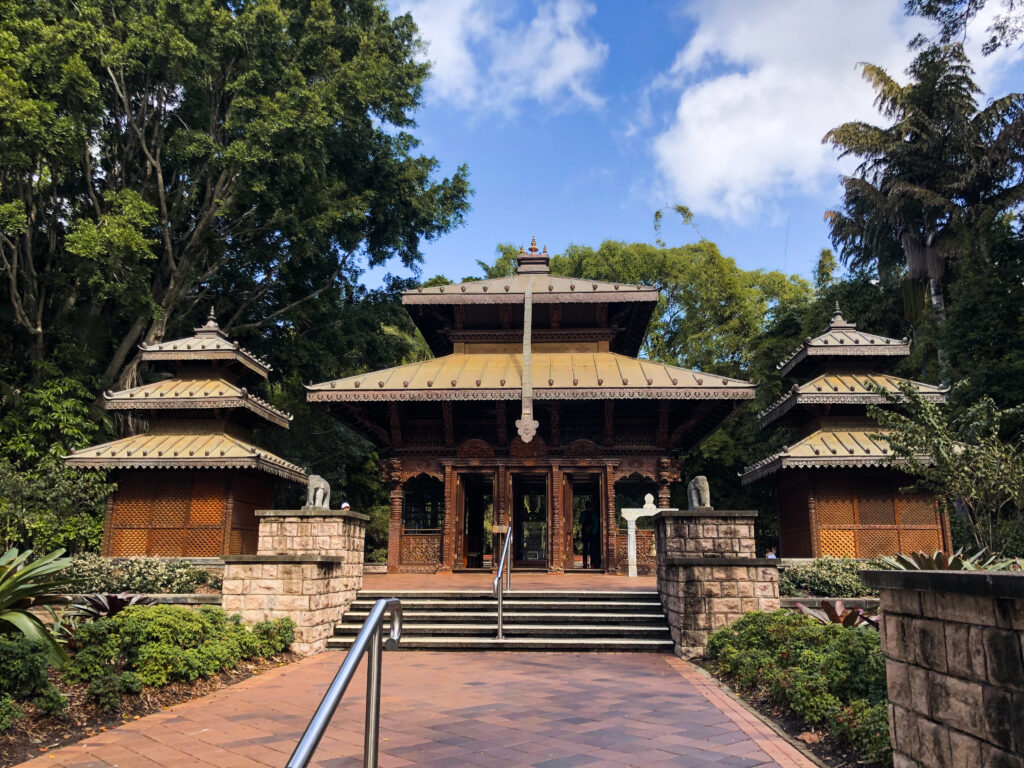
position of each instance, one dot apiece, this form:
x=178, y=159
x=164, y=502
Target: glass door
x=530, y=520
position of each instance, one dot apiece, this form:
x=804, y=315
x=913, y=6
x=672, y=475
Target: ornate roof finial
x=838, y=321
x=211, y=319
x=521, y=251
x=545, y=250
x=532, y=260
x=533, y=245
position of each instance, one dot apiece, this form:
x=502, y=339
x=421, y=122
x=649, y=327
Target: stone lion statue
x=699, y=493
x=318, y=493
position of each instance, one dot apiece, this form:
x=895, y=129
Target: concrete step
x=516, y=630
x=469, y=594
x=357, y=617
x=520, y=604
x=565, y=644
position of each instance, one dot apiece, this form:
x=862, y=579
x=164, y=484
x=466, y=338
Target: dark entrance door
x=530, y=520
x=586, y=521
x=477, y=520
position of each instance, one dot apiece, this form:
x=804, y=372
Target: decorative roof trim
x=833, y=343
x=799, y=396
x=208, y=343
x=315, y=395
x=628, y=294
x=118, y=401
x=782, y=461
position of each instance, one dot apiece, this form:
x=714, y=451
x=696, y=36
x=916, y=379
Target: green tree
x=931, y=181
x=963, y=459
x=156, y=155
x=953, y=17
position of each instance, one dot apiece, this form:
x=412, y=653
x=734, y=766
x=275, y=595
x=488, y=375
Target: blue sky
x=578, y=119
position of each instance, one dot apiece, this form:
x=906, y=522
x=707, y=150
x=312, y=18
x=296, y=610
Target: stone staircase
x=534, y=621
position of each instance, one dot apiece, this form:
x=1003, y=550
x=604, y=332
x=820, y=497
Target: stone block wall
x=309, y=566
x=707, y=573
x=954, y=648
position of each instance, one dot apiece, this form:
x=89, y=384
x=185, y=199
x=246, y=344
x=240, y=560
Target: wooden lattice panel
x=129, y=541
x=875, y=507
x=204, y=542
x=835, y=502
x=206, y=507
x=917, y=509
x=167, y=542
x=243, y=542
x=171, y=493
x=838, y=543
x=923, y=540
x=875, y=542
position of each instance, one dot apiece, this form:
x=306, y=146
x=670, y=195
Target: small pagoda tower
x=837, y=489
x=190, y=484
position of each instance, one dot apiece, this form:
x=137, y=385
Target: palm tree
x=931, y=182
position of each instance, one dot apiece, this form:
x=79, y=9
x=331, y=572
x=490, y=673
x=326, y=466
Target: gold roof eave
x=548, y=289
x=846, y=389
x=184, y=450
x=207, y=343
x=555, y=376
x=827, y=448
x=184, y=394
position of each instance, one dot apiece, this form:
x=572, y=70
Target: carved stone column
x=391, y=473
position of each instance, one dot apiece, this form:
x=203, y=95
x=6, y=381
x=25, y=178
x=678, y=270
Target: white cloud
x=760, y=84
x=486, y=60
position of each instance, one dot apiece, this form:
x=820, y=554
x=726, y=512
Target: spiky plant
x=941, y=561
x=25, y=585
x=837, y=613
x=104, y=606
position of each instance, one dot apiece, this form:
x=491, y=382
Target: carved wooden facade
x=561, y=350
x=837, y=489
x=190, y=484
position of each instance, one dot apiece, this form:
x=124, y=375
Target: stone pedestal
x=308, y=566
x=708, y=575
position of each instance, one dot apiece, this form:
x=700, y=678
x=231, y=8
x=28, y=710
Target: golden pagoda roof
x=556, y=376
x=184, y=447
x=208, y=343
x=199, y=393
x=846, y=388
x=842, y=339
x=831, y=447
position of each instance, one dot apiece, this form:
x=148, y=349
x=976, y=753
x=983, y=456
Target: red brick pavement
x=460, y=709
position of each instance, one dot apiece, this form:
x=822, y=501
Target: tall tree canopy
x=932, y=181
x=156, y=155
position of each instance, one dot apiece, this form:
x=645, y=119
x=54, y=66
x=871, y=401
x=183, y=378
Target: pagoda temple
x=535, y=413
x=837, y=489
x=190, y=484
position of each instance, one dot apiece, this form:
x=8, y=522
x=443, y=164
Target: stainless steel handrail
x=369, y=639
x=504, y=568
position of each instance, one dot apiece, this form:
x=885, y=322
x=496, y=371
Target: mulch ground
x=36, y=733
x=827, y=749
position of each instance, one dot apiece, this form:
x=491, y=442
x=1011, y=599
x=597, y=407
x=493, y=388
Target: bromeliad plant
x=103, y=606
x=940, y=561
x=24, y=585
x=837, y=613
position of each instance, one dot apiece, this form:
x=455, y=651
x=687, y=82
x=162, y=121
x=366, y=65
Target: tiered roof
x=180, y=435
x=853, y=440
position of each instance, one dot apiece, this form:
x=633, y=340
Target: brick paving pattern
x=460, y=709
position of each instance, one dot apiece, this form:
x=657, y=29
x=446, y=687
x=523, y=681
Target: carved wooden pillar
x=556, y=554
x=500, y=512
x=391, y=471
x=669, y=471
x=611, y=559
x=448, y=531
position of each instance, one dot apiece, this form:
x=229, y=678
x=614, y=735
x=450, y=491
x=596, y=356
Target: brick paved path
x=460, y=709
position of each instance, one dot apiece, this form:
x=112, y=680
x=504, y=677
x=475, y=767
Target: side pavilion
x=535, y=413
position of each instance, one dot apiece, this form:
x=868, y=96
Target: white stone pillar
x=631, y=514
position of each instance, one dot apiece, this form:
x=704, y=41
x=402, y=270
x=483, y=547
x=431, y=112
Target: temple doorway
x=477, y=519
x=586, y=522
x=530, y=520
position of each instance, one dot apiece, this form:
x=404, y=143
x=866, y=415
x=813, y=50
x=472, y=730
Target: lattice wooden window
x=875, y=507
x=916, y=509
x=835, y=501
x=128, y=541
x=879, y=541
x=205, y=542
x=167, y=542
x=207, y=504
x=838, y=543
x=923, y=540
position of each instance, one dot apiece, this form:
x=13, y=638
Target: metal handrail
x=504, y=568
x=369, y=639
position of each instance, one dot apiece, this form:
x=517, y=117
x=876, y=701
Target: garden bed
x=38, y=733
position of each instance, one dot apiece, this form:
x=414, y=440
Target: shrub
x=159, y=644
x=151, y=575
x=23, y=677
x=825, y=577
x=827, y=674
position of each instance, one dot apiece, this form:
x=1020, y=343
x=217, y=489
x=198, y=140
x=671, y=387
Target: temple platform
x=522, y=580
